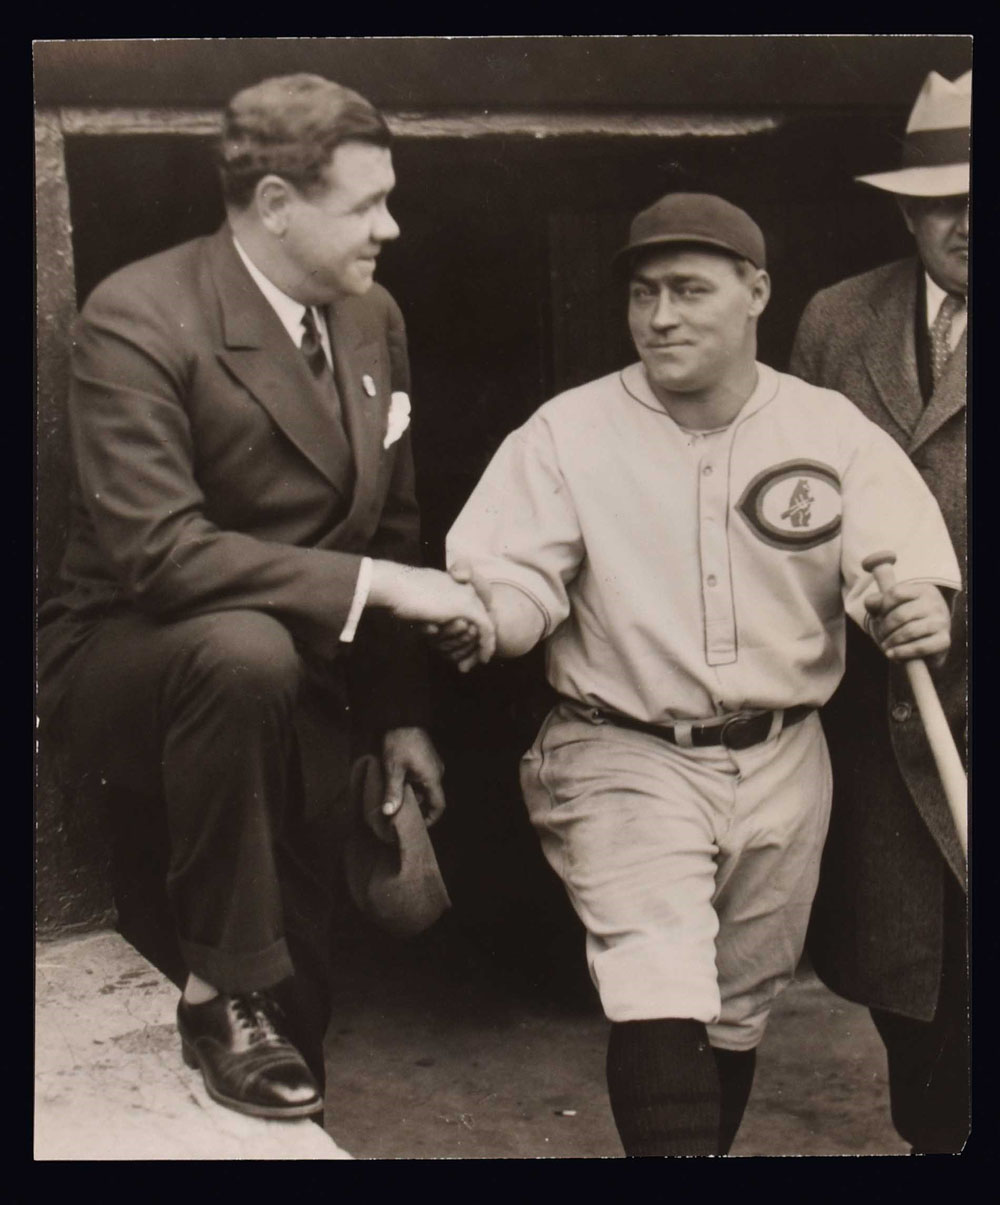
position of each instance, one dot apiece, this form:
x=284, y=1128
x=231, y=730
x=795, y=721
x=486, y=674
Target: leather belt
x=738, y=731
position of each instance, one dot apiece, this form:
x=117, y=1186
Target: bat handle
x=879, y=565
x=942, y=743
x=939, y=737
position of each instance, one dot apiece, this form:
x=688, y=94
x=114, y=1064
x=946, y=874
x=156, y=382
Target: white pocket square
x=399, y=418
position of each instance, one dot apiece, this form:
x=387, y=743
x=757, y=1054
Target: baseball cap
x=696, y=217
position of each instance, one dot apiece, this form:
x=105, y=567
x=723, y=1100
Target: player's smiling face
x=692, y=314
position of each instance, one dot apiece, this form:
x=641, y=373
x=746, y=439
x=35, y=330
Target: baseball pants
x=693, y=870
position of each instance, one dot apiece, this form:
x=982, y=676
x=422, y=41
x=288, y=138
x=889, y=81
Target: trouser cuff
x=233, y=971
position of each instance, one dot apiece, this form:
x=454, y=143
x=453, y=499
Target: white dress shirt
x=291, y=312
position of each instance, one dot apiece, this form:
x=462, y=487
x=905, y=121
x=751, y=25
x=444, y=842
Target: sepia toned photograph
x=501, y=624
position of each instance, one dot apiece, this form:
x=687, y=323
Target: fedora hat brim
x=944, y=180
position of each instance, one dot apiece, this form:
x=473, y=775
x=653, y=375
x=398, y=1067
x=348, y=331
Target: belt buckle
x=737, y=732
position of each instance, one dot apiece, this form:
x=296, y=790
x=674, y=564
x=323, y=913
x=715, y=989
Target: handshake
x=455, y=610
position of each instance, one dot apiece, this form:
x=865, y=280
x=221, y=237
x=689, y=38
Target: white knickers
x=693, y=870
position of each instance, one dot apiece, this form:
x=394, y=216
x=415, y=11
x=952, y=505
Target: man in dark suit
x=240, y=570
x=889, y=924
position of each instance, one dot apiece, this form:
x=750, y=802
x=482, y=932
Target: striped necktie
x=941, y=348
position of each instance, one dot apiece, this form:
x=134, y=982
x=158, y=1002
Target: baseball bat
x=939, y=737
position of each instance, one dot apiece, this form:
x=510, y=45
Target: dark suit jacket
x=210, y=475
x=876, y=932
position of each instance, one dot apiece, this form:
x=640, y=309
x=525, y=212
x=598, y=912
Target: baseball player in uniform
x=687, y=535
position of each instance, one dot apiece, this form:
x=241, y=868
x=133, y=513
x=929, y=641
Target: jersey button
x=707, y=471
x=901, y=712
x=711, y=580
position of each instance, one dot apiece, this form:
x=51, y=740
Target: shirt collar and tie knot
x=292, y=314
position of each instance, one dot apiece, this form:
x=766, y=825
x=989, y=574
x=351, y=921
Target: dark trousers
x=201, y=718
x=929, y=1060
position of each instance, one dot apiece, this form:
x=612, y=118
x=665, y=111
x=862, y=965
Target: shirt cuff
x=361, y=589
x=547, y=624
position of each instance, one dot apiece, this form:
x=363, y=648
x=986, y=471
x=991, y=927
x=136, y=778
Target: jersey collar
x=635, y=383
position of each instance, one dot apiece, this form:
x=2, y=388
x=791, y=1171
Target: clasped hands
x=454, y=611
x=467, y=640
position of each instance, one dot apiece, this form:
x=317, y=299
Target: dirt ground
x=439, y=1050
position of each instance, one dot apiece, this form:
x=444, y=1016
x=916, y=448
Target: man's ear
x=272, y=198
x=760, y=293
x=904, y=209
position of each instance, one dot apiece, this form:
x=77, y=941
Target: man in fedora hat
x=889, y=926
x=686, y=536
x=240, y=574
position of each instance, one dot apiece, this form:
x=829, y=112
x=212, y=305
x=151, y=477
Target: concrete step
x=109, y=1079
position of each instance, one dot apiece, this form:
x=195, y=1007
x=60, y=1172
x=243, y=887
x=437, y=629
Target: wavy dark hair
x=290, y=126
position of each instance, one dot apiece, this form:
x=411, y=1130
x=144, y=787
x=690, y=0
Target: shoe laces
x=254, y=1013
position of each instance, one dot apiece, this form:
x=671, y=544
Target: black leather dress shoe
x=246, y=1061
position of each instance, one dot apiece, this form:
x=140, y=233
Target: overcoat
x=210, y=474
x=876, y=934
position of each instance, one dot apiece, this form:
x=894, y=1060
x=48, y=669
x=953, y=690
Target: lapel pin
x=368, y=384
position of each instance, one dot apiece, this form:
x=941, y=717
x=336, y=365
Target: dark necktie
x=312, y=349
x=941, y=348
x=311, y=346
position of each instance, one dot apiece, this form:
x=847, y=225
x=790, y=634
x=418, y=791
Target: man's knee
x=246, y=655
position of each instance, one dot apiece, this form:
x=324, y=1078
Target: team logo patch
x=793, y=505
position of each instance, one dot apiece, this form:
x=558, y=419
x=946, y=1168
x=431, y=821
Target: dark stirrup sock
x=664, y=1087
x=736, y=1068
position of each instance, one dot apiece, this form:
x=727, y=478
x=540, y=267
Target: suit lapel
x=889, y=350
x=259, y=353
x=358, y=359
x=947, y=399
